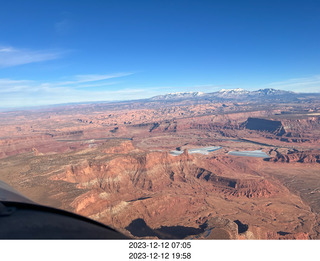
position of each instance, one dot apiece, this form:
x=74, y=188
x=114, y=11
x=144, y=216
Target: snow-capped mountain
x=177, y=95
x=238, y=90
x=270, y=91
x=230, y=94
x=240, y=93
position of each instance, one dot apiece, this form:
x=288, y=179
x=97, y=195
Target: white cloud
x=11, y=86
x=6, y=50
x=63, y=26
x=10, y=56
x=5, y=81
x=104, y=84
x=93, y=78
x=306, y=84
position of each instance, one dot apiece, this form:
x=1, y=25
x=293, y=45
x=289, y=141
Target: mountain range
x=268, y=94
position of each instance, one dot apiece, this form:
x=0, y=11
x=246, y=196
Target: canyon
x=111, y=162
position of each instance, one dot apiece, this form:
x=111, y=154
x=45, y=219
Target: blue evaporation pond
x=204, y=150
x=254, y=153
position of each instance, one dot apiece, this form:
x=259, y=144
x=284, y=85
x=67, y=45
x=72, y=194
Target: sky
x=54, y=52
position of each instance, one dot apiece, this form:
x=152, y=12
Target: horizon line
x=88, y=102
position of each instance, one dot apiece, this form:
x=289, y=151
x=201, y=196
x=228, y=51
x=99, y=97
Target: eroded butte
x=177, y=168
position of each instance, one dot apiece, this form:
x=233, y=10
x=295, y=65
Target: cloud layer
x=10, y=56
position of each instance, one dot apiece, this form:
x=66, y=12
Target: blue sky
x=72, y=51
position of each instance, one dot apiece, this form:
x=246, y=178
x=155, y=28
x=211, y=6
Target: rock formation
x=111, y=162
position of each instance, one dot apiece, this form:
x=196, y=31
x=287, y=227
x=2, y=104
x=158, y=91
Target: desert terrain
x=225, y=165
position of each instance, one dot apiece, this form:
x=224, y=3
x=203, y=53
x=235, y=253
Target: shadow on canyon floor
x=139, y=228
